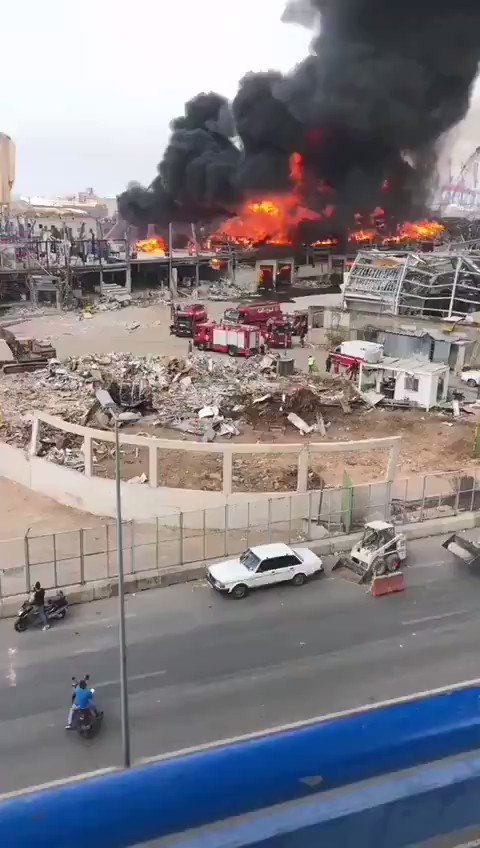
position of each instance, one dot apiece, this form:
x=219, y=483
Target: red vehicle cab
x=234, y=339
x=186, y=318
x=277, y=332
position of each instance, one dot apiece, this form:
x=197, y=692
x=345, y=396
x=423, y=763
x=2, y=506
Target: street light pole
x=121, y=611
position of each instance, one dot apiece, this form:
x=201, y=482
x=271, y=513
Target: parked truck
x=277, y=333
x=185, y=319
x=256, y=314
x=348, y=355
x=234, y=339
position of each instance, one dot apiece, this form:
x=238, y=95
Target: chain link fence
x=81, y=556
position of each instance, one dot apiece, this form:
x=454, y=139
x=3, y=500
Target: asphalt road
x=203, y=668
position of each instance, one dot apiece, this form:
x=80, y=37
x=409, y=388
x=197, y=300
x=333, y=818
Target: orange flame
x=270, y=219
x=327, y=242
x=407, y=232
x=152, y=245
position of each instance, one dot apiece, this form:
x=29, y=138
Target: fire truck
x=346, y=358
x=277, y=332
x=255, y=313
x=186, y=318
x=234, y=339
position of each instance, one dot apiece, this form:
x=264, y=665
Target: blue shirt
x=83, y=698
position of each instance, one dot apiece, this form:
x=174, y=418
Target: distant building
x=7, y=168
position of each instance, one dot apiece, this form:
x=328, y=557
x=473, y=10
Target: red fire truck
x=234, y=339
x=277, y=332
x=185, y=319
x=253, y=313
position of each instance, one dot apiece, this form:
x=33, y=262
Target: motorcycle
x=55, y=610
x=86, y=721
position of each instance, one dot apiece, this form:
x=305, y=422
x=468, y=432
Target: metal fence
x=81, y=556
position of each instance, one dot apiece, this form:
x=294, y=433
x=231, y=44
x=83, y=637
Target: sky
x=92, y=86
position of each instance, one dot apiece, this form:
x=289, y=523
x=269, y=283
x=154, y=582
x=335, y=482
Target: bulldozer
x=380, y=551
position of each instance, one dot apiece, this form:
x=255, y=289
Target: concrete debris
x=266, y=363
x=209, y=435
x=133, y=326
x=199, y=397
x=129, y=417
x=372, y=398
x=141, y=478
x=228, y=428
x=300, y=424
x=208, y=412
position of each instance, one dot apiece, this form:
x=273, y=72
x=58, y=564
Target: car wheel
x=239, y=592
x=472, y=383
x=299, y=579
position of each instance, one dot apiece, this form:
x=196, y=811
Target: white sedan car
x=264, y=565
x=471, y=377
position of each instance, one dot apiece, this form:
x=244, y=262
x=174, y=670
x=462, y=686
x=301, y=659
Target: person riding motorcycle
x=82, y=700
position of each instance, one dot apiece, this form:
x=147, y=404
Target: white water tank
x=369, y=351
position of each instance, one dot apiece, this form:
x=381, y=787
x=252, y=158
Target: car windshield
x=249, y=560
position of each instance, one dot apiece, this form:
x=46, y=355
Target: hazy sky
x=89, y=88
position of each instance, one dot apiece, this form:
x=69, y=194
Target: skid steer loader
x=380, y=551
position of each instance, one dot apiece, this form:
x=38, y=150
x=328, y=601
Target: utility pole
x=197, y=263
x=121, y=609
x=170, y=265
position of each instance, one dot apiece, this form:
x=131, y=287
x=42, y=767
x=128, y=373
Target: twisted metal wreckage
x=442, y=284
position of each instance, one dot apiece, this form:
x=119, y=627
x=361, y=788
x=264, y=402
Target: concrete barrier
x=177, y=794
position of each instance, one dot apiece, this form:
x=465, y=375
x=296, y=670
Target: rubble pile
x=198, y=396
x=222, y=289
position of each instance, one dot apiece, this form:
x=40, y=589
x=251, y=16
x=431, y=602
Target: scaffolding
x=440, y=285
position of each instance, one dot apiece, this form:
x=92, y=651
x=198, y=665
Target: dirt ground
x=430, y=442
x=23, y=509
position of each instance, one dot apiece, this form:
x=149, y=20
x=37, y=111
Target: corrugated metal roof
x=411, y=366
x=437, y=335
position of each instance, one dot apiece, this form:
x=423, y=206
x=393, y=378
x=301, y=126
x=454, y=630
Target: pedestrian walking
x=312, y=365
x=328, y=364
x=190, y=347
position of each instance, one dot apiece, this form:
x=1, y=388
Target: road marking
x=11, y=674
x=435, y=617
x=133, y=677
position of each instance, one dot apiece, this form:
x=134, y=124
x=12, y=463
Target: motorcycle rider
x=38, y=601
x=83, y=700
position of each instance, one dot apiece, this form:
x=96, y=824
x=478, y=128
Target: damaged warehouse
x=440, y=285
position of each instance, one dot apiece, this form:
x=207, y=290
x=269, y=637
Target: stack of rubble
x=201, y=396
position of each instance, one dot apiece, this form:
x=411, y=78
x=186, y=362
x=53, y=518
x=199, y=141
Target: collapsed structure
x=438, y=285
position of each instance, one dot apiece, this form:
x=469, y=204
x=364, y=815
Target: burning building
x=344, y=144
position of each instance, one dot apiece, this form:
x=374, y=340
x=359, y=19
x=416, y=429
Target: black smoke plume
x=366, y=109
